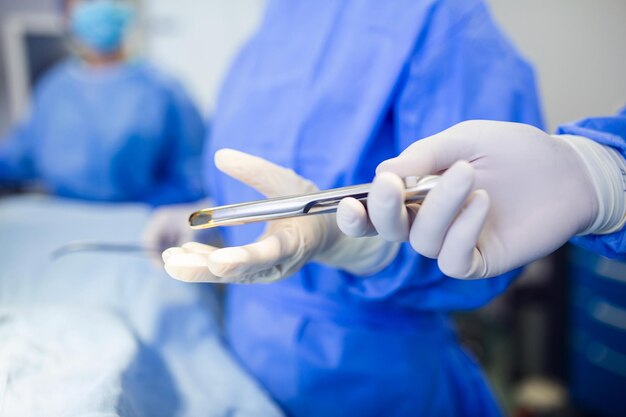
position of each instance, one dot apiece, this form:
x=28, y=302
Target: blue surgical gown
x=332, y=88
x=609, y=131
x=125, y=133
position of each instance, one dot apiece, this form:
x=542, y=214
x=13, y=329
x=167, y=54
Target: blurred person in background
x=329, y=90
x=103, y=126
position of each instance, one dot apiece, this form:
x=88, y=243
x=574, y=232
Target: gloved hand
x=286, y=245
x=168, y=226
x=509, y=195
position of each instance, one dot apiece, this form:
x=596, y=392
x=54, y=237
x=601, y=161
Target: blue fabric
x=125, y=133
x=331, y=89
x=609, y=131
x=101, y=24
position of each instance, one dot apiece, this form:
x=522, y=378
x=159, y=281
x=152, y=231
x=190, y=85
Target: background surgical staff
x=104, y=126
x=329, y=90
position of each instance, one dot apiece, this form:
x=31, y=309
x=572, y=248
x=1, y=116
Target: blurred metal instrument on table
x=98, y=246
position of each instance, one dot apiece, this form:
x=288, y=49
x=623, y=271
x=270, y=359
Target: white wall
x=578, y=48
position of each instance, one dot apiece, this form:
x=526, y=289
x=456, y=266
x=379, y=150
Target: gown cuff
x=607, y=169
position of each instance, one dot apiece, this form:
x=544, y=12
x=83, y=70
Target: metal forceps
x=416, y=189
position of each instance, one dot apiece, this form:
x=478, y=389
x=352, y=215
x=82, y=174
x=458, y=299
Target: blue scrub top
x=125, y=133
x=609, y=131
x=331, y=89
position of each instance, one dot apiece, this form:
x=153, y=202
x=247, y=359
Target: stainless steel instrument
x=300, y=205
x=97, y=246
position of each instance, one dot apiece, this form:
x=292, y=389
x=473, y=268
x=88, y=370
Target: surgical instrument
x=96, y=246
x=300, y=205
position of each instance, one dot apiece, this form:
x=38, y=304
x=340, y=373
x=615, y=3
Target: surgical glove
x=168, y=226
x=286, y=245
x=509, y=194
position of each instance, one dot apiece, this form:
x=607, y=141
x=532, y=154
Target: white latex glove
x=286, y=245
x=168, y=226
x=509, y=195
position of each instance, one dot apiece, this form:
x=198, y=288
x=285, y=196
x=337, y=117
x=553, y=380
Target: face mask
x=101, y=24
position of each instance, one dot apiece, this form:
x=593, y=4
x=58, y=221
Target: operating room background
x=576, y=46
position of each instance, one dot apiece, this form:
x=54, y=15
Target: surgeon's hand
x=509, y=194
x=286, y=245
x=168, y=226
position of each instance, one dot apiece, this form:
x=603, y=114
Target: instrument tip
x=201, y=219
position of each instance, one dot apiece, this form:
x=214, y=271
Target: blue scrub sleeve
x=609, y=131
x=16, y=164
x=180, y=170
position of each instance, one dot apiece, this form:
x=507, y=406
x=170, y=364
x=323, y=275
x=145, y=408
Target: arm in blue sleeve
x=609, y=131
x=182, y=169
x=16, y=155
